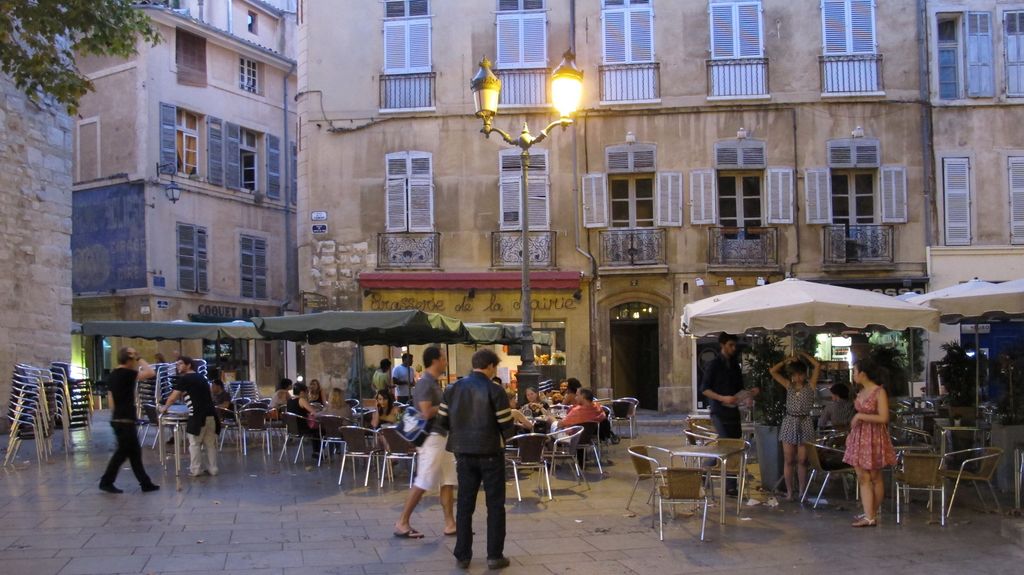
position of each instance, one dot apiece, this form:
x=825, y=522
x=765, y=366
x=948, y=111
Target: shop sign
x=489, y=303
x=891, y=288
x=162, y=304
x=227, y=311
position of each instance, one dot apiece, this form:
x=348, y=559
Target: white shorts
x=436, y=465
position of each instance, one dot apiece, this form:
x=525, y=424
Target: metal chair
x=920, y=472
x=679, y=485
x=228, y=424
x=528, y=453
x=360, y=443
x=590, y=440
x=293, y=430
x=254, y=420
x=624, y=410
x=827, y=461
x=645, y=466
x=396, y=448
x=735, y=466
x=975, y=465
x=563, y=446
x=330, y=434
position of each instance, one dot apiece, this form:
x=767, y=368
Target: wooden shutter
x=535, y=40
x=273, y=145
x=595, y=201
x=862, y=26
x=956, y=184
x=613, y=24
x=421, y=192
x=723, y=31
x=631, y=158
x=780, y=196
x=419, y=45
x=617, y=159
x=980, y=80
x=703, y=197
x=510, y=41
x=894, y=194
x=186, y=257
x=214, y=151
x=202, y=276
x=259, y=278
x=641, y=35
x=668, y=201
x=750, y=33
x=293, y=158
x=245, y=266
x=1016, y=179
x=395, y=192
x=537, y=194
x=1014, y=40
x=190, y=58
x=232, y=165
x=396, y=46
x=168, y=140
x=538, y=189
x=834, y=27
x=818, y=192
x=509, y=194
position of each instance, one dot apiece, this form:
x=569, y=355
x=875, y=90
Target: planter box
x=1007, y=437
x=769, y=455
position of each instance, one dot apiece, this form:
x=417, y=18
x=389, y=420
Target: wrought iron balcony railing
x=861, y=244
x=523, y=87
x=743, y=247
x=737, y=78
x=853, y=74
x=507, y=249
x=630, y=82
x=404, y=250
x=633, y=247
x=407, y=91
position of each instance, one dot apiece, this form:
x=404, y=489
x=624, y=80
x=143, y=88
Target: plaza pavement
x=261, y=517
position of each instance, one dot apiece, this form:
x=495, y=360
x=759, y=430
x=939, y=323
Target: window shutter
x=668, y=209
x=956, y=184
x=617, y=159
x=419, y=45
x=421, y=192
x=833, y=22
x=613, y=23
x=537, y=194
x=723, y=33
x=748, y=18
x=703, y=197
x=202, y=276
x=644, y=157
x=867, y=153
x=293, y=158
x=186, y=257
x=509, y=41
x=818, y=191
x=395, y=197
x=1016, y=200
x=535, y=40
x=595, y=201
x=780, y=195
x=168, y=137
x=419, y=165
x=979, y=55
x=641, y=35
x=397, y=165
x=1014, y=38
x=232, y=166
x=245, y=266
x=259, y=278
x=273, y=144
x=894, y=194
x=214, y=151
x=395, y=47
x=508, y=198
x=840, y=154
x=862, y=26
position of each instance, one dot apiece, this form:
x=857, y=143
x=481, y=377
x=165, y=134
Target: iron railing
x=630, y=82
x=407, y=91
x=737, y=78
x=846, y=244
x=853, y=74
x=507, y=249
x=743, y=247
x=633, y=247
x=523, y=87
x=405, y=250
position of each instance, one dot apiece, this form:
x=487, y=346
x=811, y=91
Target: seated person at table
x=338, y=406
x=221, y=398
x=586, y=411
x=571, y=389
x=316, y=393
x=387, y=412
x=299, y=405
x=838, y=413
x=535, y=404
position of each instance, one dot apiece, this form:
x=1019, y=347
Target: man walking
x=403, y=377
x=202, y=426
x=723, y=380
x=435, y=466
x=478, y=418
x=121, y=384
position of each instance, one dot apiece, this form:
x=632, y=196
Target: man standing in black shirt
x=121, y=384
x=202, y=426
x=723, y=379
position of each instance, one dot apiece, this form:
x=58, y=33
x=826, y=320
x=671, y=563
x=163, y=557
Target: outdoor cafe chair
x=153, y=416
x=527, y=452
x=396, y=448
x=293, y=430
x=228, y=424
x=975, y=465
x=624, y=410
x=254, y=420
x=645, y=466
x=360, y=443
x=330, y=434
x=910, y=438
x=695, y=438
x=563, y=446
x=590, y=441
x=920, y=472
x=735, y=465
x=677, y=485
x=353, y=403
x=826, y=461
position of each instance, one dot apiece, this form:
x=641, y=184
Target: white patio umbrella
x=794, y=303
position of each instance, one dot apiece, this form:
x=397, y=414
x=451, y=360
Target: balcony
x=408, y=250
x=630, y=83
x=853, y=75
x=739, y=78
x=507, y=249
x=745, y=248
x=523, y=87
x=407, y=91
x=633, y=247
x=861, y=244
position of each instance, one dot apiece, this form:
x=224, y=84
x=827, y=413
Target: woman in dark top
x=387, y=411
x=299, y=405
x=316, y=393
x=121, y=383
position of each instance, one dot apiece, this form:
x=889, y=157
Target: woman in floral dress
x=868, y=446
x=797, y=427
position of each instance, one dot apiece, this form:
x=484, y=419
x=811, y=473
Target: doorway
x=634, y=343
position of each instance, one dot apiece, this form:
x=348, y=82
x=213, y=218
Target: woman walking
x=797, y=428
x=869, y=447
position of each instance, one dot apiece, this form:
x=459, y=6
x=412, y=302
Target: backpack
x=413, y=427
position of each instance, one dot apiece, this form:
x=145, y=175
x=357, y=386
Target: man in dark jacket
x=202, y=426
x=477, y=416
x=723, y=381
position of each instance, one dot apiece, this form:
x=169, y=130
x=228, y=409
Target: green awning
x=405, y=327
x=173, y=330
x=504, y=334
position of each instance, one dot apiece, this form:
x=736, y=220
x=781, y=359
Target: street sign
x=319, y=228
x=162, y=304
x=318, y=216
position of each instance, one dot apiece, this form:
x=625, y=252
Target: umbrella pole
x=977, y=370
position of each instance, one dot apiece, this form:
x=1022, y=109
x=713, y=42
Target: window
x=948, y=42
x=736, y=29
x=1016, y=180
x=247, y=159
x=522, y=34
x=964, y=55
x=251, y=22
x=639, y=196
x=187, y=142
x=628, y=29
x=253, y=258
x=248, y=74
x=853, y=197
x=848, y=26
x=409, y=192
x=510, y=190
x=192, y=263
x=406, y=37
x=739, y=200
x=632, y=201
x=1014, y=25
x=190, y=58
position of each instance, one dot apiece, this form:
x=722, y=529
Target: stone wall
x=35, y=233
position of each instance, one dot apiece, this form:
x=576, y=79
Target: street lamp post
x=566, y=92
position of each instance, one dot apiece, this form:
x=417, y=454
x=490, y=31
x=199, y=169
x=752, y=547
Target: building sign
x=162, y=304
x=494, y=303
x=228, y=312
x=319, y=228
x=108, y=241
x=318, y=216
x=893, y=288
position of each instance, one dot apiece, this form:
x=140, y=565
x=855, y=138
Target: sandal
x=865, y=522
x=410, y=534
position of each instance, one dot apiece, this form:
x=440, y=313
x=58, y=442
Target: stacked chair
x=36, y=402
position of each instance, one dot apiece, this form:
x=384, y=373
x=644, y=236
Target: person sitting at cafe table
x=838, y=413
x=221, y=398
x=299, y=405
x=316, y=393
x=336, y=405
x=387, y=412
x=572, y=387
x=586, y=411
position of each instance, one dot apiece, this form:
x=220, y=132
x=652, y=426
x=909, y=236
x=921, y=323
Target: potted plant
x=894, y=360
x=769, y=407
x=1006, y=388
x=957, y=374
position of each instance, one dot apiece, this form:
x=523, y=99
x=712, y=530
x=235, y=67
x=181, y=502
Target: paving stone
x=189, y=562
x=104, y=565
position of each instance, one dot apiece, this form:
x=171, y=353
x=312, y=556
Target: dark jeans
x=728, y=427
x=127, y=448
x=472, y=470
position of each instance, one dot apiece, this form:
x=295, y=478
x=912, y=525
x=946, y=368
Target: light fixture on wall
x=630, y=138
x=730, y=282
x=472, y=293
x=857, y=132
x=172, y=191
x=699, y=282
x=741, y=134
x=761, y=281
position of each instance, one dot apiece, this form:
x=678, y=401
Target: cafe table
x=176, y=416
x=722, y=454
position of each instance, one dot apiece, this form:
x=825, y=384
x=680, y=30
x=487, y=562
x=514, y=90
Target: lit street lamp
x=566, y=92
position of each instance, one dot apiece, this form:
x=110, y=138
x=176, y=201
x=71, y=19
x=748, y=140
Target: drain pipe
x=926, y=120
x=291, y=265
x=796, y=204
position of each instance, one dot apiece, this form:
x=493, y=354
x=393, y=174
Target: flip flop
x=410, y=534
x=452, y=534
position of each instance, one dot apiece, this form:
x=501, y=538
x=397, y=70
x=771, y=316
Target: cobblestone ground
x=260, y=516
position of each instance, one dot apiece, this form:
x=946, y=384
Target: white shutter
x=419, y=45
x=818, y=191
x=509, y=41
x=780, y=195
x=723, y=31
x=956, y=184
x=595, y=201
x=1014, y=49
x=833, y=25
x=420, y=166
x=395, y=47
x=668, y=202
x=421, y=205
x=537, y=199
x=509, y=194
x=535, y=40
x=703, y=197
x=395, y=199
x=979, y=54
x=641, y=35
x=1016, y=200
x=894, y=194
x=750, y=30
x=862, y=26
x=613, y=24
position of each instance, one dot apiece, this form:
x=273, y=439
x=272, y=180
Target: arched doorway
x=634, y=343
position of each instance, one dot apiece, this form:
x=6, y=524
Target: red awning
x=466, y=280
